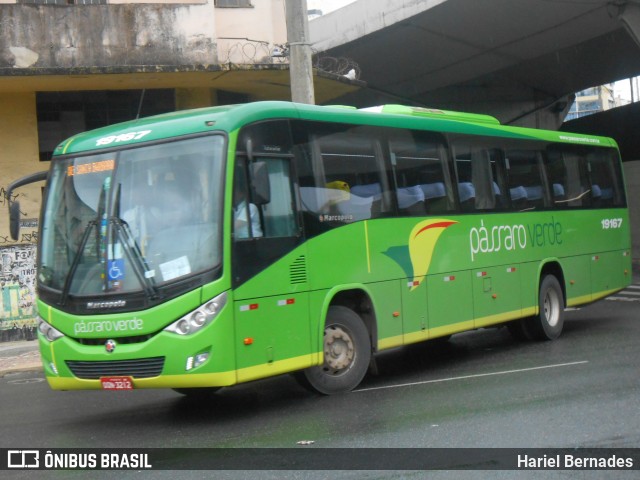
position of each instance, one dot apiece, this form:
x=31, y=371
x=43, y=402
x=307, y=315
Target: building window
x=63, y=114
x=231, y=98
x=233, y=3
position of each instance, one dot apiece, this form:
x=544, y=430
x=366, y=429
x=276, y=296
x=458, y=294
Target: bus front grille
x=140, y=368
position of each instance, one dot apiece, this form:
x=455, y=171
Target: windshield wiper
x=132, y=250
x=76, y=260
x=135, y=256
x=83, y=243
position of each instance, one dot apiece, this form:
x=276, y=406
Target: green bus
x=205, y=248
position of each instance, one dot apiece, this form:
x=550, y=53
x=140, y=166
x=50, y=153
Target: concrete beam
x=629, y=16
x=361, y=18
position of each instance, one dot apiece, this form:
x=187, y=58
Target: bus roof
x=231, y=117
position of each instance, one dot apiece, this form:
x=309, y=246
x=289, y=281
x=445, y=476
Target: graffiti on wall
x=17, y=292
x=17, y=272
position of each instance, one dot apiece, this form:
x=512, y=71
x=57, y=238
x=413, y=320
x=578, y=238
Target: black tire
x=347, y=354
x=547, y=325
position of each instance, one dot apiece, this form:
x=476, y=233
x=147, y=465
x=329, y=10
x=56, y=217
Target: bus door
x=272, y=331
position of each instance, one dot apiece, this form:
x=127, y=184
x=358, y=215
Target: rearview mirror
x=14, y=219
x=14, y=205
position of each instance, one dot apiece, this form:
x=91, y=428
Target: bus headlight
x=182, y=326
x=194, y=321
x=48, y=331
x=198, y=318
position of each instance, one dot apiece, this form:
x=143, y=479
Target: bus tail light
x=199, y=318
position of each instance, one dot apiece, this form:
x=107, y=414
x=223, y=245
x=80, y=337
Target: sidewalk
x=22, y=356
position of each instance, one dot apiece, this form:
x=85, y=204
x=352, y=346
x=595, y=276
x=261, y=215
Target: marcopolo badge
x=110, y=346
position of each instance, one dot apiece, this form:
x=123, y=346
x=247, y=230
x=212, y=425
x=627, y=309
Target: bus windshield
x=133, y=220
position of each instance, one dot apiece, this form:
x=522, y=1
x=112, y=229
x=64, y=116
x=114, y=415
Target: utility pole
x=300, y=68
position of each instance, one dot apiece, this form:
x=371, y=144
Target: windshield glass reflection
x=133, y=220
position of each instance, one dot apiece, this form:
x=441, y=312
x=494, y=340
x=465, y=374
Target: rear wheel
x=547, y=325
x=347, y=354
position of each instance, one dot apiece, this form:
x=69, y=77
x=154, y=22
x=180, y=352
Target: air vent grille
x=298, y=270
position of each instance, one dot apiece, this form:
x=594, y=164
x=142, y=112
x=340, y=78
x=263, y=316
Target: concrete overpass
x=520, y=60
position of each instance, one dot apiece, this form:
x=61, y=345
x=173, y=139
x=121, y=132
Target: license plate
x=116, y=383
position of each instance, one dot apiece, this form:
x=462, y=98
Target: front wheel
x=547, y=325
x=347, y=353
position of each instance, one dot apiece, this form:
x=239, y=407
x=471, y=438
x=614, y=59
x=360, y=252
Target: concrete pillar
x=632, y=179
x=20, y=157
x=299, y=52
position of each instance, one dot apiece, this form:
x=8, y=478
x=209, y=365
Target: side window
x=278, y=214
x=526, y=181
x=263, y=198
x=421, y=174
x=342, y=175
x=606, y=178
x=481, y=177
x=247, y=221
x=568, y=177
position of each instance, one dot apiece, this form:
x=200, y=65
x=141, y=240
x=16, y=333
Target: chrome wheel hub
x=338, y=349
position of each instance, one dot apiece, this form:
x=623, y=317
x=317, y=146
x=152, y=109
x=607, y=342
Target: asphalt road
x=481, y=389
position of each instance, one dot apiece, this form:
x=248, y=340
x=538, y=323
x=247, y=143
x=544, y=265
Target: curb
x=22, y=369
x=27, y=362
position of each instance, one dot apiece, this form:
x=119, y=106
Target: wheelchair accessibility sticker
x=116, y=269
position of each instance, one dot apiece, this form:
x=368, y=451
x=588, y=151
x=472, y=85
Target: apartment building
x=593, y=100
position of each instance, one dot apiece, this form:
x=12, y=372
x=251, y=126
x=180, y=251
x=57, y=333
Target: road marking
x=620, y=296
x=464, y=377
x=24, y=381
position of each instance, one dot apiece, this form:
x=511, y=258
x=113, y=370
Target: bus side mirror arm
x=14, y=205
